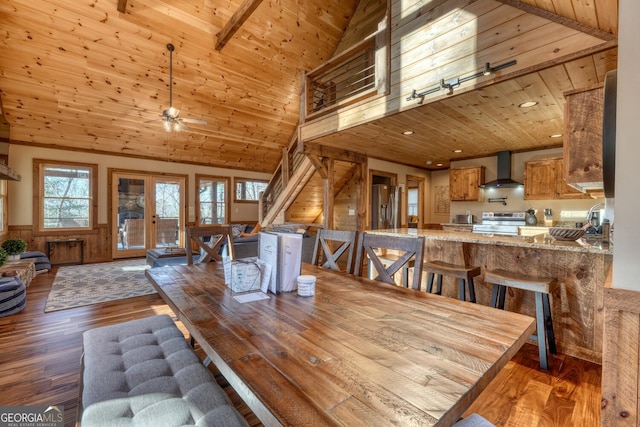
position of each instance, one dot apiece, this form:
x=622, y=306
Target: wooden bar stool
x=464, y=274
x=542, y=287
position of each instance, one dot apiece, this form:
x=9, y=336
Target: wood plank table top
x=359, y=352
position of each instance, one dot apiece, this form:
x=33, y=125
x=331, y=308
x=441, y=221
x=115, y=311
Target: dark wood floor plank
x=40, y=365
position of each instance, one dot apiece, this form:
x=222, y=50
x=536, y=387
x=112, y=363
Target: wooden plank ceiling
x=83, y=76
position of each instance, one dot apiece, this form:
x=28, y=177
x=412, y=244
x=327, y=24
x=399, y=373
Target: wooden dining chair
x=326, y=241
x=209, y=240
x=410, y=249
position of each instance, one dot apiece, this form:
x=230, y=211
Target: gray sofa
x=144, y=373
x=245, y=247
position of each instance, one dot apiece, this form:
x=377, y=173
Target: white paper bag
x=283, y=251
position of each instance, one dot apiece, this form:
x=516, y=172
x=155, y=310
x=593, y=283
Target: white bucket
x=306, y=285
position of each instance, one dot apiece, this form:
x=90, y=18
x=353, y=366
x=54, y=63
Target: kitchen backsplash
x=565, y=212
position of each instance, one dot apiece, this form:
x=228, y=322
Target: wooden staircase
x=293, y=173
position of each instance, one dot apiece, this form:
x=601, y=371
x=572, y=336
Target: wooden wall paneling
x=97, y=246
x=577, y=308
x=424, y=51
x=346, y=199
x=307, y=205
x=328, y=190
x=362, y=196
x=363, y=23
x=583, y=137
x=621, y=357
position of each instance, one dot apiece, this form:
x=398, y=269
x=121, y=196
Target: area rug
x=80, y=285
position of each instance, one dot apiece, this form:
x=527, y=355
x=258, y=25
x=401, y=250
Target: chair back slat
x=411, y=248
x=326, y=240
x=217, y=234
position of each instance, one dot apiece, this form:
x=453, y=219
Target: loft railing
x=345, y=79
x=356, y=74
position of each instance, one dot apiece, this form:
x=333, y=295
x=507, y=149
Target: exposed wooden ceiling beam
x=330, y=152
x=239, y=17
x=122, y=6
x=595, y=32
x=321, y=168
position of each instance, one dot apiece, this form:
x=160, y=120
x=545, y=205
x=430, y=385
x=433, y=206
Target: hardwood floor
x=40, y=365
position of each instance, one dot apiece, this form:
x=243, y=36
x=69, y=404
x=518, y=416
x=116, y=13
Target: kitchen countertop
x=538, y=241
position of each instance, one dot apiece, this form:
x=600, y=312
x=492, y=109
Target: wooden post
x=329, y=196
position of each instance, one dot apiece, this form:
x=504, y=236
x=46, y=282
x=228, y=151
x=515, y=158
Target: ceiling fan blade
x=195, y=121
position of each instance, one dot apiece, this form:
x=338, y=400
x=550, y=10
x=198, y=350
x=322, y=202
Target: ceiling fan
x=171, y=116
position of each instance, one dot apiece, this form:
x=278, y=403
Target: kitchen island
x=580, y=266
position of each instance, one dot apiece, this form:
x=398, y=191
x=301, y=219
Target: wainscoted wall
x=97, y=244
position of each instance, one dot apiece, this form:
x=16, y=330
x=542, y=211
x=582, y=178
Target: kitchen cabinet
x=464, y=183
x=543, y=180
x=582, y=143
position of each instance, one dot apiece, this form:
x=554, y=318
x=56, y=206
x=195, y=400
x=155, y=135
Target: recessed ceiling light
x=439, y=164
x=556, y=135
x=429, y=162
x=408, y=132
x=457, y=150
x=528, y=104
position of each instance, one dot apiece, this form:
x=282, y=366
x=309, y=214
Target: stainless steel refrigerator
x=385, y=201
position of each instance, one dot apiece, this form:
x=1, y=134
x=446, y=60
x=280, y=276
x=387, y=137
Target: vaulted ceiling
x=84, y=76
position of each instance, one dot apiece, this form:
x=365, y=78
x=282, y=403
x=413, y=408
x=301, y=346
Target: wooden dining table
x=358, y=352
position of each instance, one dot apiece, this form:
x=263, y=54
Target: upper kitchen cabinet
x=582, y=145
x=464, y=183
x=543, y=180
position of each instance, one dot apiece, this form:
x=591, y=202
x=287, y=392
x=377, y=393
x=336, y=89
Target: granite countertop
x=538, y=241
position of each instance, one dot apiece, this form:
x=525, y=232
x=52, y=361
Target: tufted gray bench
x=144, y=373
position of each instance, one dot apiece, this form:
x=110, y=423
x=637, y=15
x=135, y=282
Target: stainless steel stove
x=504, y=223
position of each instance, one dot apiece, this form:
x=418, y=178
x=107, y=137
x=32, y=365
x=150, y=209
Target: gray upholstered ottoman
x=144, y=373
x=13, y=295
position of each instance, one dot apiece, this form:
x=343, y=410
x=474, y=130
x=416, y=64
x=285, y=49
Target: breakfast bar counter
x=580, y=266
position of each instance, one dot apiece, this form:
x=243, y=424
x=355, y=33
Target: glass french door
x=148, y=213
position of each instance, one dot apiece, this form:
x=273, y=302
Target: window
x=249, y=190
x=212, y=205
x=412, y=201
x=65, y=195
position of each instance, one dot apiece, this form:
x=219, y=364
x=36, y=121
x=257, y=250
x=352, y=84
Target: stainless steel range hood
x=504, y=173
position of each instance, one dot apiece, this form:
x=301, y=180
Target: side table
x=68, y=242
x=24, y=269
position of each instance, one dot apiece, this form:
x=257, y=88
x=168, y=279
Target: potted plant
x=14, y=247
x=3, y=256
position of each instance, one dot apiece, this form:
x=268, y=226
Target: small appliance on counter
x=504, y=223
x=464, y=219
x=548, y=217
x=595, y=218
x=530, y=217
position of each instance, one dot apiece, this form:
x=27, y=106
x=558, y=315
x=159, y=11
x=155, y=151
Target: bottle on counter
x=606, y=230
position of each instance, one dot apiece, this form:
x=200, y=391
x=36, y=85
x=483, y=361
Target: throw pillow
x=237, y=229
